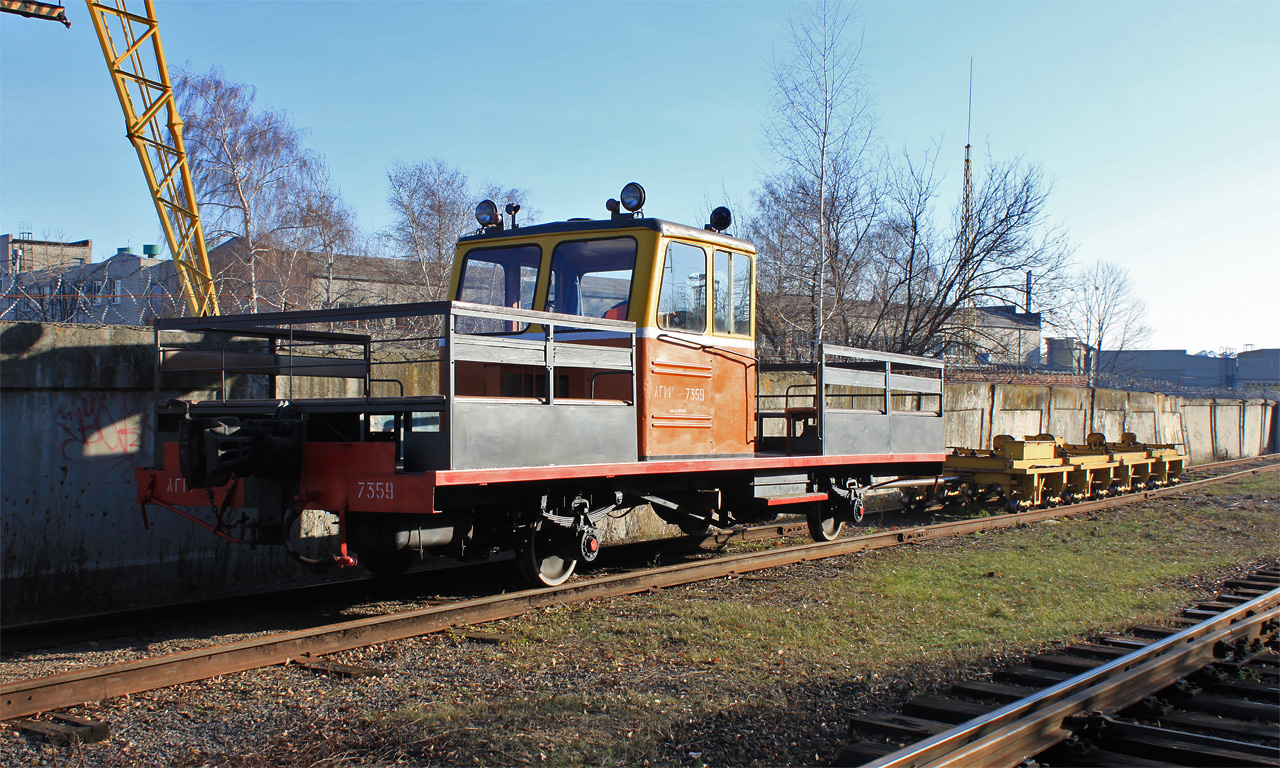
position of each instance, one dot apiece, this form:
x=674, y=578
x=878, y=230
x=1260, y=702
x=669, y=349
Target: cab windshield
x=592, y=278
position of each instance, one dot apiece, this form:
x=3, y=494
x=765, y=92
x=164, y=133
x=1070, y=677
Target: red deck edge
x=519, y=474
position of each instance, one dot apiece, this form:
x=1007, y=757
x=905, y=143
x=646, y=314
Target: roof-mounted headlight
x=632, y=197
x=487, y=214
x=720, y=219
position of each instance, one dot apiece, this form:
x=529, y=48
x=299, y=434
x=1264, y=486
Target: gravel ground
x=288, y=716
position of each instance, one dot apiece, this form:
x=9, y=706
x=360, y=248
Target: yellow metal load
x=1042, y=470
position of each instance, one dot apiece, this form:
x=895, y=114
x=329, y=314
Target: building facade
x=135, y=290
x=22, y=253
x=124, y=289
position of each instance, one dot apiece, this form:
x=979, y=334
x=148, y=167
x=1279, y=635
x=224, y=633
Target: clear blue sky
x=1159, y=122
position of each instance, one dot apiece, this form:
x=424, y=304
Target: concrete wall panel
x=1197, y=418
x=1020, y=424
x=1226, y=430
x=966, y=414
x=75, y=418
x=1251, y=431
x=1069, y=425
x=962, y=428
x=1170, y=423
x=1142, y=424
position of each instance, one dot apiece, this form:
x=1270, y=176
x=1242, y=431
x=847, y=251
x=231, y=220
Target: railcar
x=580, y=369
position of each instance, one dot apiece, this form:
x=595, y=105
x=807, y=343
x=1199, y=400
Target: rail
x=1015, y=733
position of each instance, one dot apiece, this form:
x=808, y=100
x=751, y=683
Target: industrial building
x=1254, y=371
x=22, y=253
x=124, y=289
x=59, y=282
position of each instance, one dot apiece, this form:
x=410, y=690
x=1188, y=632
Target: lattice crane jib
x=135, y=58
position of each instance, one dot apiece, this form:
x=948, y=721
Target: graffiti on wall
x=107, y=425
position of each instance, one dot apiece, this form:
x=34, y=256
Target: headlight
x=720, y=219
x=487, y=213
x=632, y=197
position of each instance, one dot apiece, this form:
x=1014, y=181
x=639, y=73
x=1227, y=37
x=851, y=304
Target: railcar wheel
x=824, y=523
x=695, y=526
x=542, y=558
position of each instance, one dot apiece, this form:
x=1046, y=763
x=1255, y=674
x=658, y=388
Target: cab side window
x=731, y=293
x=682, y=299
x=500, y=277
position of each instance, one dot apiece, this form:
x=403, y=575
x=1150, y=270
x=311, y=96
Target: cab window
x=682, y=300
x=731, y=293
x=592, y=278
x=501, y=277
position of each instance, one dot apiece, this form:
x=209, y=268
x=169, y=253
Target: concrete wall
x=75, y=404
x=75, y=418
x=1208, y=429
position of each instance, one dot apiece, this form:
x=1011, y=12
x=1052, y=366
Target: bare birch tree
x=1102, y=311
x=433, y=204
x=257, y=182
x=814, y=214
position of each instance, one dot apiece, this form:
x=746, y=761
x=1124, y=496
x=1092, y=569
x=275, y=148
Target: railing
x=545, y=352
x=345, y=344
x=879, y=380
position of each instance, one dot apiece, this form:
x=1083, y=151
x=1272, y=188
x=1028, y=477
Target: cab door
x=697, y=387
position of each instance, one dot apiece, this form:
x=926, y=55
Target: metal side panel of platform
x=486, y=434
x=861, y=432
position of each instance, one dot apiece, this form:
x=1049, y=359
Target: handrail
x=854, y=353
x=289, y=336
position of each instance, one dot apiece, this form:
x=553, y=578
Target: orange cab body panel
x=694, y=401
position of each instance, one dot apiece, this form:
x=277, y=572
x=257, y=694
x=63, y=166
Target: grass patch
x=610, y=682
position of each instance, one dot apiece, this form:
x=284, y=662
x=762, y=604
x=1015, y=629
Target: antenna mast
x=968, y=172
x=968, y=319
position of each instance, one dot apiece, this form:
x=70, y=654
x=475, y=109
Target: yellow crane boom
x=135, y=58
x=154, y=126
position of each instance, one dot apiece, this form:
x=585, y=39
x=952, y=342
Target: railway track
x=1217, y=467
x=95, y=627
x=1206, y=694
x=26, y=697
x=483, y=578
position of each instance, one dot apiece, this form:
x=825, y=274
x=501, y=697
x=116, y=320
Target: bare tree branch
x=256, y=182
x=1102, y=311
x=433, y=205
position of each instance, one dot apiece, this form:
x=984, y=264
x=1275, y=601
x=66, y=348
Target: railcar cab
x=690, y=293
